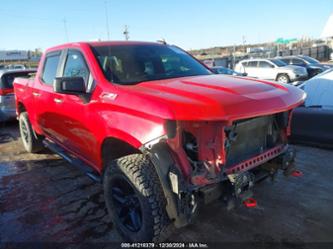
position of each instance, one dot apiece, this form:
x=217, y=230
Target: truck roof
x=100, y=43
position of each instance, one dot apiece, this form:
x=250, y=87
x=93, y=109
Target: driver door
x=73, y=112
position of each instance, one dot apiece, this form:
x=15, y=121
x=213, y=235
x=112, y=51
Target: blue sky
x=191, y=24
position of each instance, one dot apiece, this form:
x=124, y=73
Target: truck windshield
x=132, y=64
x=310, y=60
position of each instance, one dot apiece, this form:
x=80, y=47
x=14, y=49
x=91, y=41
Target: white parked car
x=16, y=66
x=271, y=69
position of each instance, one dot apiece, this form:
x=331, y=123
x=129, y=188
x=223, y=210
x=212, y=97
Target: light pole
x=126, y=33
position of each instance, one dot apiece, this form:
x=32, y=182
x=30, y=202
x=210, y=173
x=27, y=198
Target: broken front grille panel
x=251, y=137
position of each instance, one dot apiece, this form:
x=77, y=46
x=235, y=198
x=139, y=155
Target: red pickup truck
x=161, y=132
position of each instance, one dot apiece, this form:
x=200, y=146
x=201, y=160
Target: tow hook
x=250, y=203
x=241, y=185
x=297, y=173
x=287, y=162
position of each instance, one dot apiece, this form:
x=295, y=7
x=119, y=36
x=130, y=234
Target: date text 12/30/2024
x=165, y=245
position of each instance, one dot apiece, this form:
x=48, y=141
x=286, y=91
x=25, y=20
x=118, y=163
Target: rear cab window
x=50, y=67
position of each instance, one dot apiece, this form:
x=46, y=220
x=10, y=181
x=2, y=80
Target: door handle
x=36, y=94
x=57, y=100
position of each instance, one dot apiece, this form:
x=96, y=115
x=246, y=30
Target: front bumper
x=299, y=77
x=239, y=186
x=184, y=198
x=258, y=160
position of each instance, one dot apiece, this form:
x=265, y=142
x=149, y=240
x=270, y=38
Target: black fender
x=161, y=157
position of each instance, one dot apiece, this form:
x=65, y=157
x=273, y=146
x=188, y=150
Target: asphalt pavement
x=45, y=199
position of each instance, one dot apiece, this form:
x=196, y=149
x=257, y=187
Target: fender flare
x=161, y=157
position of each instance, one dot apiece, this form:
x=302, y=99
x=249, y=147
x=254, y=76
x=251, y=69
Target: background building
x=14, y=55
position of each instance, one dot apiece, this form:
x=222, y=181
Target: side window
x=244, y=64
x=298, y=62
x=76, y=66
x=252, y=64
x=264, y=64
x=50, y=68
x=285, y=60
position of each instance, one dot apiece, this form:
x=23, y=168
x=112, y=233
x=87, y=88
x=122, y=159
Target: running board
x=78, y=163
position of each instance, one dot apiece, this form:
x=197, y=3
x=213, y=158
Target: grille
x=252, y=137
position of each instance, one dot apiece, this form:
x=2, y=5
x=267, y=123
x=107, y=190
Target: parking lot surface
x=45, y=199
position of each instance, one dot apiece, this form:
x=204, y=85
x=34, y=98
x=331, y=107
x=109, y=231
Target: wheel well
x=279, y=74
x=20, y=108
x=114, y=148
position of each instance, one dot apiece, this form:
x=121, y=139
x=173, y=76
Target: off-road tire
x=283, y=78
x=141, y=175
x=32, y=142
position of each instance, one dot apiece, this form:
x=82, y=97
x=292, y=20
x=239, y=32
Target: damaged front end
x=199, y=162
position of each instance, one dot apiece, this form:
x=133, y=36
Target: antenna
x=107, y=20
x=126, y=33
x=65, y=28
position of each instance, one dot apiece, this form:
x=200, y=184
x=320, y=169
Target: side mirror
x=244, y=74
x=70, y=85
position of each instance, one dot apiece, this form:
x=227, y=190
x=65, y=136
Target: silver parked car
x=271, y=69
x=313, y=66
x=7, y=98
x=15, y=66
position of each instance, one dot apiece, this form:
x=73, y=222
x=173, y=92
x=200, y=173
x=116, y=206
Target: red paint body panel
x=137, y=113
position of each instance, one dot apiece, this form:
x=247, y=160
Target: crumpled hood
x=212, y=97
